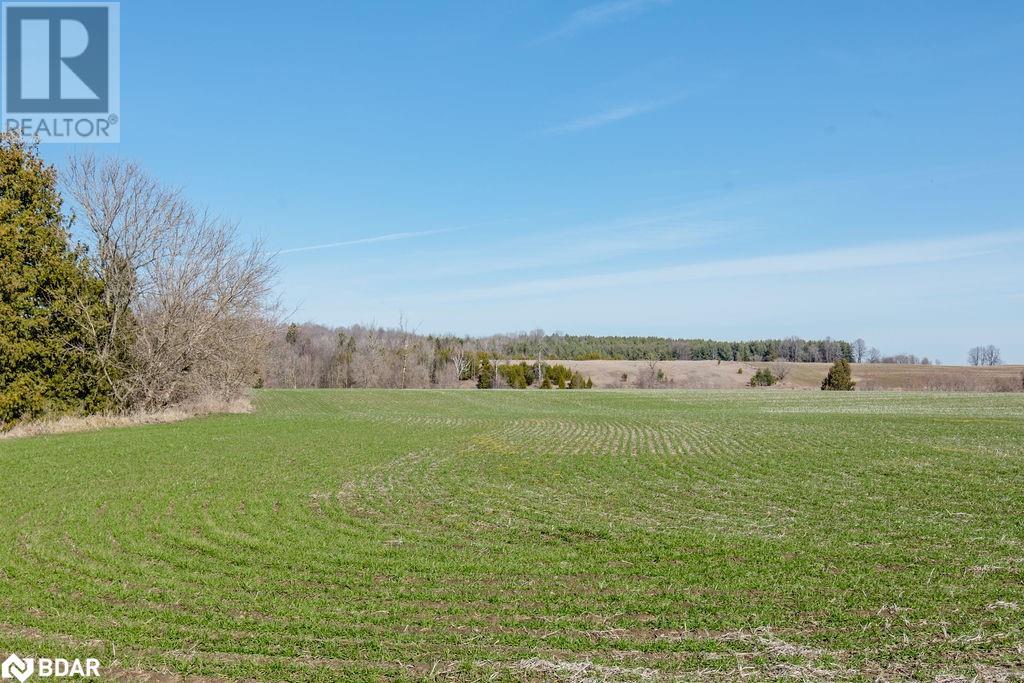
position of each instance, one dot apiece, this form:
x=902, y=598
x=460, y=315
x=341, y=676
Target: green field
x=473, y=535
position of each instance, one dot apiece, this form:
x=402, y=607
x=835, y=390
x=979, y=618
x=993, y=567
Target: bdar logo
x=46, y=667
x=16, y=667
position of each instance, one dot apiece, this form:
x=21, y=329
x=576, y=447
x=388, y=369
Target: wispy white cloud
x=613, y=115
x=602, y=13
x=392, y=237
x=603, y=118
x=839, y=259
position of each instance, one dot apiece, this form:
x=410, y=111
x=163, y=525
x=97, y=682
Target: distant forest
x=587, y=347
x=311, y=355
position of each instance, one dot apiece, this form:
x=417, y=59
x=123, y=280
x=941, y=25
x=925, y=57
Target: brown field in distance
x=683, y=374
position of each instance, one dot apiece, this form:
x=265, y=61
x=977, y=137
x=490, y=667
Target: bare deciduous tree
x=992, y=356
x=830, y=351
x=860, y=350
x=537, y=338
x=789, y=349
x=780, y=371
x=460, y=359
x=188, y=303
x=652, y=376
x=984, y=355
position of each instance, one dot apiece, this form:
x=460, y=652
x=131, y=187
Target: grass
x=369, y=535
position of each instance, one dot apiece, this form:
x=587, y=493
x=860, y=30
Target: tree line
x=978, y=355
x=589, y=347
x=315, y=356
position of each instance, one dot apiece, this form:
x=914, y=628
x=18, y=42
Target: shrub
x=762, y=378
x=652, y=376
x=546, y=384
x=530, y=373
x=839, y=377
x=780, y=370
x=517, y=376
x=558, y=375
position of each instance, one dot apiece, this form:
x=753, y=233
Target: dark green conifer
x=45, y=289
x=839, y=377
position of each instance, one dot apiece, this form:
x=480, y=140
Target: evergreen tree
x=514, y=375
x=44, y=289
x=839, y=377
x=485, y=380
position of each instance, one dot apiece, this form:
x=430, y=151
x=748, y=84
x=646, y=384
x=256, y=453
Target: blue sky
x=727, y=170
